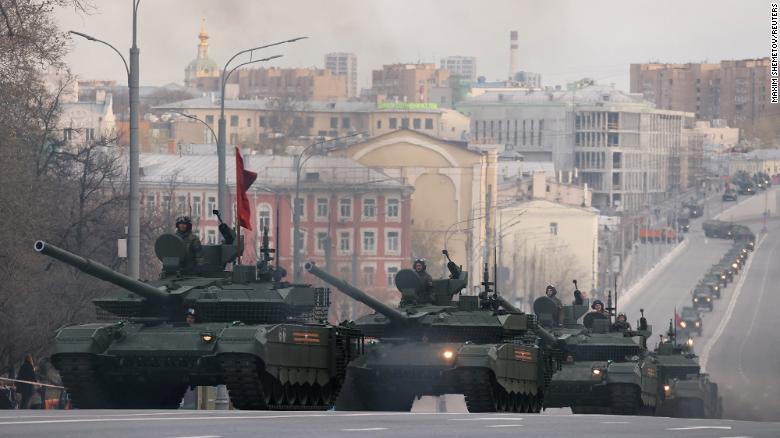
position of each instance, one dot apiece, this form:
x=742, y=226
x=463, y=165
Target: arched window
x=264, y=218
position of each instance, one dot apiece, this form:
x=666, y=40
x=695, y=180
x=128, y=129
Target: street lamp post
x=296, y=201
x=221, y=141
x=133, y=79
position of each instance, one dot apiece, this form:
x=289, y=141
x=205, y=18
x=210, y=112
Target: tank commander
x=598, y=307
x=189, y=317
x=421, y=269
x=551, y=293
x=192, y=242
x=621, y=323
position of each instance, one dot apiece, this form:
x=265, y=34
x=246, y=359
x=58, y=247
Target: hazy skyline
x=563, y=41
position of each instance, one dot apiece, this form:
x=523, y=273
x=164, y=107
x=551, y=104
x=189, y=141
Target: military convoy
x=268, y=341
x=690, y=321
x=431, y=344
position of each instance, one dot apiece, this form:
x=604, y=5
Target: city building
x=88, y=121
x=737, y=91
x=355, y=221
x=407, y=82
x=548, y=234
x=260, y=123
x=341, y=63
x=464, y=67
x=202, y=73
x=629, y=153
x=295, y=84
x=718, y=137
x=454, y=188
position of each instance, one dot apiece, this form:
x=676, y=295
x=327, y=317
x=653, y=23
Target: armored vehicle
x=479, y=346
x=266, y=340
x=717, y=229
x=743, y=235
x=685, y=391
x=684, y=224
x=724, y=269
x=702, y=299
x=689, y=321
x=713, y=282
x=604, y=368
x=730, y=195
x=695, y=208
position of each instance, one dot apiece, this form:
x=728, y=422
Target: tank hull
x=281, y=366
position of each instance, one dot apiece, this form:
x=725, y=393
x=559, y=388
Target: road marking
x=699, y=428
x=505, y=425
x=705, y=352
x=757, y=306
x=367, y=429
x=488, y=419
x=198, y=436
x=615, y=422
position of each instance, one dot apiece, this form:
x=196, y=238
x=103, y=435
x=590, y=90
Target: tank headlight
x=734, y=265
x=698, y=323
x=667, y=388
x=689, y=342
x=716, y=287
x=723, y=277
x=448, y=354
x=596, y=372
x=683, y=324
x=695, y=300
x=709, y=299
x=207, y=337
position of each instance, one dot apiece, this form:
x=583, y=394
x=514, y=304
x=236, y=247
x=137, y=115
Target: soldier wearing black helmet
x=551, y=293
x=621, y=323
x=191, y=241
x=598, y=307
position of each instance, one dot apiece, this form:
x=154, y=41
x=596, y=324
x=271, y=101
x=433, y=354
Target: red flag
x=244, y=179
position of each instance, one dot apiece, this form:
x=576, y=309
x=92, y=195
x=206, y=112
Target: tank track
x=484, y=394
x=80, y=377
x=252, y=388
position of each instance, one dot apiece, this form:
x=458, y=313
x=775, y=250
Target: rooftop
x=207, y=102
x=590, y=95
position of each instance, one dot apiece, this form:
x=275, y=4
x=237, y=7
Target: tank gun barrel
x=548, y=337
x=102, y=272
x=357, y=294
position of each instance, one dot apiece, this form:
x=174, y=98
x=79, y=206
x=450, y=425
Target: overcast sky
x=562, y=40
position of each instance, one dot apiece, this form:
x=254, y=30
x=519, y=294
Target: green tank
x=431, y=344
x=684, y=392
x=604, y=370
x=268, y=341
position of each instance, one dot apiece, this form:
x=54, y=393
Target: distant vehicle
x=730, y=195
x=696, y=208
x=718, y=229
x=702, y=299
x=684, y=224
x=713, y=282
x=690, y=321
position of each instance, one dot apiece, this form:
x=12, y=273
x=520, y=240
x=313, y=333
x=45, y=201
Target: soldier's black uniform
x=191, y=242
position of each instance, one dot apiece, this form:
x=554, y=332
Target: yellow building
x=452, y=188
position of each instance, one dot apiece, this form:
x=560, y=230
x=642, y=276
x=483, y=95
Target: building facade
x=407, y=82
x=464, y=67
x=294, y=84
x=341, y=63
x=737, y=91
x=355, y=221
x=88, y=121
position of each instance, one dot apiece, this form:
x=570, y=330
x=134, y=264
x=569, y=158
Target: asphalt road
x=740, y=346
x=229, y=424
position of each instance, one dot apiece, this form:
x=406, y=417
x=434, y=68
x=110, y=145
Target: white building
x=464, y=67
x=82, y=122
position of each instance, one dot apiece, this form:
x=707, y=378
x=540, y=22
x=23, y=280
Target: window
x=166, y=203
x=417, y=123
x=150, y=202
x=211, y=236
x=368, y=275
x=391, y=272
x=233, y=120
x=322, y=241
x=210, y=119
x=196, y=207
x=393, y=123
x=345, y=241
x=428, y=123
x=369, y=242
x=345, y=208
x=393, y=244
x=378, y=124
x=67, y=134
x=181, y=205
x=345, y=123
x=211, y=205
x=393, y=207
x=405, y=123
x=322, y=207
x=263, y=122
x=554, y=228
x=248, y=122
x=90, y=133
x=334, y=123
x=369, y=207
x=263, y=218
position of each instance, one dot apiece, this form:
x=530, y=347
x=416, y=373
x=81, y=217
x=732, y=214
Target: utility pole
x=134, y=230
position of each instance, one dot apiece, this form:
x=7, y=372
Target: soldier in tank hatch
x=621, y=323
x=189, y=317
x=192, y=242
x=551, y=293
x=598, y=307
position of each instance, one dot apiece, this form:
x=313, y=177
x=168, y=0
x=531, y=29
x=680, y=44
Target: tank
x=689, y=321
x=684, y=392
x=434, y=344
x=718, y=229
x=267, y=340
x=604, y=369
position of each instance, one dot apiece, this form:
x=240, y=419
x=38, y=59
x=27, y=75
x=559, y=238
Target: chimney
x=514, y=56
